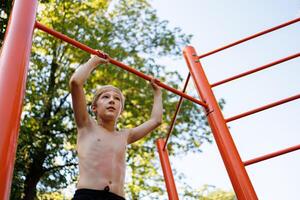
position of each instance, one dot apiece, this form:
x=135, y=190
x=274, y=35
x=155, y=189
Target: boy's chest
x=103, y=143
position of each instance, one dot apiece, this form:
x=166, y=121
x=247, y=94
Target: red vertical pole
x=231, y=158
x=167, y=171
x=13, y=71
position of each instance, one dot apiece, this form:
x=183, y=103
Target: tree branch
x=62, y=101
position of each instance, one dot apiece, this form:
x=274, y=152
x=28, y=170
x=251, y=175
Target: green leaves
x=208, y=192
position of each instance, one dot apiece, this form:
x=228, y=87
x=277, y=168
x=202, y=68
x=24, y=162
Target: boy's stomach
x=101, y=173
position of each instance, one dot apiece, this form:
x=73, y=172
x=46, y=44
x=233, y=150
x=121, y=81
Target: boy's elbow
x=74, y=82
x=158, y=122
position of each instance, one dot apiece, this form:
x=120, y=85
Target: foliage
x=50, y=196
x=208, y=192
x=131, y=32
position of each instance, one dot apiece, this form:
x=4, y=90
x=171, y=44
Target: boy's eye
x=105, y=96
x=117, y=98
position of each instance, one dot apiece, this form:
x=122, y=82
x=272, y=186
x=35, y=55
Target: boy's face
x=108, y=105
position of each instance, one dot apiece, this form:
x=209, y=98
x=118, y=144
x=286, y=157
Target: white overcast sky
x=215, y=23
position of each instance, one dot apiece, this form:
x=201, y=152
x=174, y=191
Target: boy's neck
x=108, y=125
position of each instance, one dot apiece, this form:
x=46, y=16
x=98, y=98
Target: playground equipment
x=13, y=70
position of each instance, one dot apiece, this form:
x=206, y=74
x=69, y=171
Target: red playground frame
x=14, y=64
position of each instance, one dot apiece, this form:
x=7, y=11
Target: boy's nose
x=111, y=101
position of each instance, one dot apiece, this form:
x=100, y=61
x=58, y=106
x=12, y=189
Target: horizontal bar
x=176, y=112
x=250, y=37
x=115, y=62
x=161, y=84
x=263, y=108
x=272, y=155
x=256, y=69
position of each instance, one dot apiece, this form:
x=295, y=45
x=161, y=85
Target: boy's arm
x=154, y=121
x=76, y=83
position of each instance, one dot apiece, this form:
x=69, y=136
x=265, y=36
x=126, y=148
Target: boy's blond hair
x=106, y=88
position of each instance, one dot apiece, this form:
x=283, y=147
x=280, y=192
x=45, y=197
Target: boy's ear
x=93, y=107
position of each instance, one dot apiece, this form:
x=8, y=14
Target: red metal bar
x=272, y=155
x=176, y=111
x=256, y=69
x=163, y=85
x=115, y=62
x=167, y=171
x=250, y=37
x=14, y=64
x=231, y=158
x=263, y=108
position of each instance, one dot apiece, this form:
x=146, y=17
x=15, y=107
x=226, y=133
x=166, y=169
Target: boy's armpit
x=126, y=133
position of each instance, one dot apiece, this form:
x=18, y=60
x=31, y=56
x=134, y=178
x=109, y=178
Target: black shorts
x=89, y=194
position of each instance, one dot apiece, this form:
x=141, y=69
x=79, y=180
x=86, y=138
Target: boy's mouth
x=110, y=108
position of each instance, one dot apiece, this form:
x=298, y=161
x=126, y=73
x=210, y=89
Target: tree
x=50, y=196
x=131, y=32
x=4, y=13
x=209, y=192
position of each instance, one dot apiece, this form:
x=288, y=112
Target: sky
x=215, y=23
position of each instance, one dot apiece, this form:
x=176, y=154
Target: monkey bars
x=245, y=73
x=18, y=43
x=233, y=163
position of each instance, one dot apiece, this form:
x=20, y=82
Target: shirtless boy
x=101, y=148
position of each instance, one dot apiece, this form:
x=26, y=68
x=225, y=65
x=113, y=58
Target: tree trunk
x=36, y=170
x=35, y=173
x=30, y=187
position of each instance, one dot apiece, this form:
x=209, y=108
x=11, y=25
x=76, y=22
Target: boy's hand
x=155, y=87
x=95, y=59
